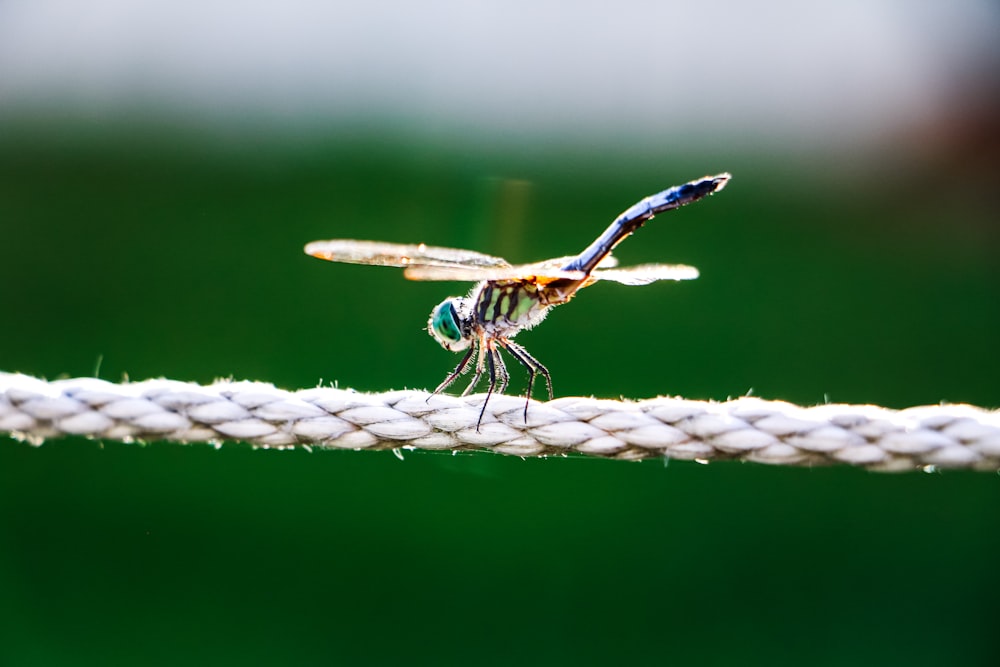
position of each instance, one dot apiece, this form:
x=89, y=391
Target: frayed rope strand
x=747, y=429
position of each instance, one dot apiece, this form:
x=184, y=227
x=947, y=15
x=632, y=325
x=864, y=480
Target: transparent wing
x=537, y=273
x=424, y=262
x=609, y=262
x=643, y=274
x=400, y=255
x=540, y=272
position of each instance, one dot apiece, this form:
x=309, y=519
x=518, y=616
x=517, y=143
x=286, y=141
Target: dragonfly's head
x=450, y=323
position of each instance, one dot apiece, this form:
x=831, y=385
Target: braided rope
x=748, y=429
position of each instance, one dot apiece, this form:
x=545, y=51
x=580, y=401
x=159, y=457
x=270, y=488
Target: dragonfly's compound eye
x=445, y=327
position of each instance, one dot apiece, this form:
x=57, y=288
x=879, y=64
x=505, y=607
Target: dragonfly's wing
x=400, y=255
x=424, y=262
x=538, y=273
x=643, y=274
x=609, y=262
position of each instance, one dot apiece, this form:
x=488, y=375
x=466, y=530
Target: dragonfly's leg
x=532, y=364
x=502, y=373
x=531, y=374
x=534, y=367
x=480, y=367
x=455, y=373
x=491, y=360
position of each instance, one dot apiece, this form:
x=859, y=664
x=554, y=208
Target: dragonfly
x=508, y=299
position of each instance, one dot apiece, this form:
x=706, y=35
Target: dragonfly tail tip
x=721, y=180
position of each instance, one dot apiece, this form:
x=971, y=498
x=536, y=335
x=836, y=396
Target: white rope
x=749, y=429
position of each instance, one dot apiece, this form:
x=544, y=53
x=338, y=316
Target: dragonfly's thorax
x=494, y=309
x=502, y=308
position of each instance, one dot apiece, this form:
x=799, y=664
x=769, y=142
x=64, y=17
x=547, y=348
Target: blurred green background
x=140, y=239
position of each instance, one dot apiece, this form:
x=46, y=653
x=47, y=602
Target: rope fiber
x=746, y=429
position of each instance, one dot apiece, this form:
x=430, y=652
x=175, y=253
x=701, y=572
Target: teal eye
x=444, y=323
